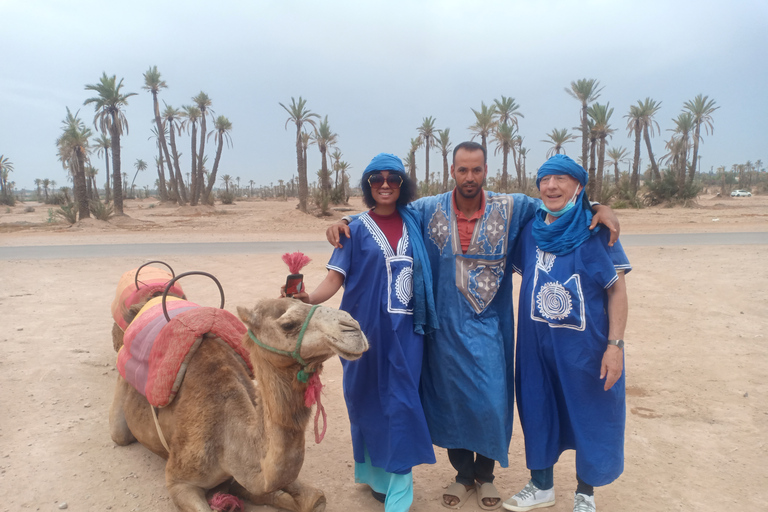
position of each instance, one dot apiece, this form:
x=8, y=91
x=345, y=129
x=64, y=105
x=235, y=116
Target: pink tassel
x=225, y=502
x=295, y=261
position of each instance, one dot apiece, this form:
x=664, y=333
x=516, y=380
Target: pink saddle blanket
x=130, y=291
x=156, y=353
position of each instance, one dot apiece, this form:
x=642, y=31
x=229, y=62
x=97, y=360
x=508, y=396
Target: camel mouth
x=351, y=345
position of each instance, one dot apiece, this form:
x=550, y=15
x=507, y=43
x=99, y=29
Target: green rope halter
x=303, y=374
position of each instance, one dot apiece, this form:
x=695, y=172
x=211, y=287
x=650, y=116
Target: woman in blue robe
x=570, y=358
x=390, y=295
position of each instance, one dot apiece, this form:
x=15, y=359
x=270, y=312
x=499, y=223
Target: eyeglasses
x=377, y=180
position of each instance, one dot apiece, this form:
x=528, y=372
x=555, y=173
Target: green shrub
x=101, y=211
x=226, y=197
x=68, y=212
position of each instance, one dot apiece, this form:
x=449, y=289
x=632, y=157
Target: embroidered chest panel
x=561, y=305
x=480, y=271
x=399, y=268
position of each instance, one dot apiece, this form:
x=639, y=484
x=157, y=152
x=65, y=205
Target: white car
x=741, y=193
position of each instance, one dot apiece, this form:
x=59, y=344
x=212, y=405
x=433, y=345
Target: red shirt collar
x=475, y=215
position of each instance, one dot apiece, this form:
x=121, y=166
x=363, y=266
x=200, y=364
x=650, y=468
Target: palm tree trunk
x=81, y=187
x=600, y=166
x=193, y=193
x=591, y=184
x=162, y=189
x=584, y=133
x=692, y=172
x=117, y=184
x=445, y=171
x=200, y=157
x=426, y=171
x=654, y=166
x=212, y=178
x=302, y=169
x=616, y=174
x=504, y=161
x=178, y=184
x=633, y=179
x=326, y=179
x=412, y=170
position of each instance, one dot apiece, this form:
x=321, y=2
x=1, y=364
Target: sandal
x=487, y=491
x=458, y=491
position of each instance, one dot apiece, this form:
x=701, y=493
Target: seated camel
x=222, y=426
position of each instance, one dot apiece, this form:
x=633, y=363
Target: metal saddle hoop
x=138, y=271
x=185, y=274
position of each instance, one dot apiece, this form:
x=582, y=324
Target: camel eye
x=290, y=325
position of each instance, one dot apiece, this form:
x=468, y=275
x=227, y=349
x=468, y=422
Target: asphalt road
x=49, y=252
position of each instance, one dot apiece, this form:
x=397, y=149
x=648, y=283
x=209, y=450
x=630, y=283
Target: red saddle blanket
x=155, y=352
x=131, y=291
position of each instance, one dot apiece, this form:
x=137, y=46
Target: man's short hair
x=471, y=146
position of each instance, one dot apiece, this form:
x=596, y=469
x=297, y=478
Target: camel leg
x=118, y=427
x=187, y=497
x=117, y=337
x=308, y=498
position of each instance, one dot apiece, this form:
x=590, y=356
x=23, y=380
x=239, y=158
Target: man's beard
x=474, y=194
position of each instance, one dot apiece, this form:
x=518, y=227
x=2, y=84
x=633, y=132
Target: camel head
x=277, y=323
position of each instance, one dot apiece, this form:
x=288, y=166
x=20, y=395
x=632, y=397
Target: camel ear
x=246, y=315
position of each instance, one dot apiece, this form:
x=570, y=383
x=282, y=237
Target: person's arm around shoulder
x=618, y=308
x=324, y=291
x=604, y=215
x=334, y=231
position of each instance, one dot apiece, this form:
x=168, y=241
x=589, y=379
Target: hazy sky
x=377, y=68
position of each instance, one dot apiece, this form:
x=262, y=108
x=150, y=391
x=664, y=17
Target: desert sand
x=696, y=362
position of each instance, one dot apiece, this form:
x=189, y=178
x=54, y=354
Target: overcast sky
x=377, y=68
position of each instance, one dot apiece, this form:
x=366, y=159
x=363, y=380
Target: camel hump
x=156, y=353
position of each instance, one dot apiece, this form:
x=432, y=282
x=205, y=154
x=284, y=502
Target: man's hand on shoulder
x=607, y=217
x=333, y=233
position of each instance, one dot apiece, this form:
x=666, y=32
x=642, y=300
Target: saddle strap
x=159, y=430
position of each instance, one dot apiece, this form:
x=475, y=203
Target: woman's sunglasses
x=377, y=180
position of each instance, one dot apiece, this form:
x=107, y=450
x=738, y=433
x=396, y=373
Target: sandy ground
x=697, y=363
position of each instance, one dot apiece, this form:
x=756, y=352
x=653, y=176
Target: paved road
x=48, y=252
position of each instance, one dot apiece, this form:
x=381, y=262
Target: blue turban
x=571, y=229
x=384, y=162
x=562, y=164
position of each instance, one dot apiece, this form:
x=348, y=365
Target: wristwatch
x=618, y=343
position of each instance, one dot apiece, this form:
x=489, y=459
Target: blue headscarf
x=424, y=313
x=572, y=228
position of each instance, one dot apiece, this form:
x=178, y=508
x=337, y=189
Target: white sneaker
x=583, y=503
x=529, y=498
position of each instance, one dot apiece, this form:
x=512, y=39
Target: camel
x=224, y=427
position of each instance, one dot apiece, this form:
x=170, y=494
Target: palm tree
x=6, y=167
x=227, y=179
x=221, y=128
x=140, y=165
x=153, y=83
x=444, y=141
x=93, y=189
x=299, y=114
x=427, y=135
x=635, y=126
x=38, y=181
x=103, y=144
x=203, y=103
x=171, y=116
x=46, y=184
x=616, y=156
x=701, y=108
x=73, y=150
x=504, y=135
x=324, y=138
x=507, y=111
x=192, y=115
x=601, y=116
x=586, y=90
x=108, y=105
x=558, y=138
x=485, y=123
x=336, y=157
x=678, y=145
x=415, y=144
